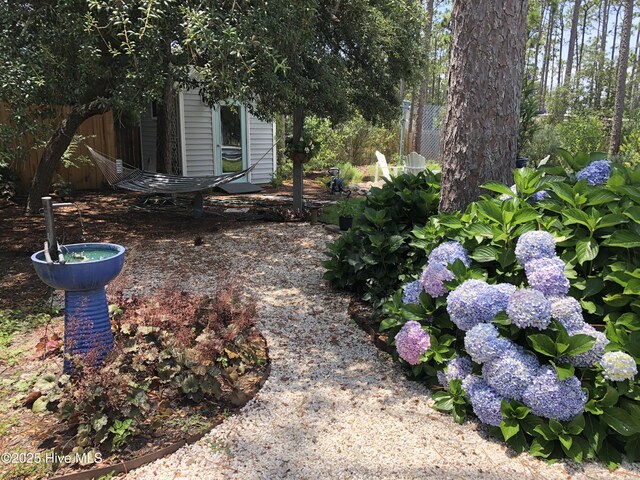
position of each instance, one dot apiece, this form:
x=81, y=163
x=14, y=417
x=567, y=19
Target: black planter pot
x=345, y=223
x=522, y=162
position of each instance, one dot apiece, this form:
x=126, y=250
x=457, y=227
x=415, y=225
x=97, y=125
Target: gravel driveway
x=334, y=406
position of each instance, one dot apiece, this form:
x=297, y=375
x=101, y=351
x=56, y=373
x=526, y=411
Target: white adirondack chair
x=416, y=163
x=381, y=165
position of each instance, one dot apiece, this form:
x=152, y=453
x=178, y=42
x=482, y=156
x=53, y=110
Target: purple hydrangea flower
x=459, y=367
x=529, y=308
x=618, y=366
x=593, y=355
x=411, y=292
x=568, y=312
x=411, y=342
x=483, y=344
x=552, y=398
x=535, y=244
x=448, y=252
x=474, y=302
x=538, y=196
x=470, y=382
x=596, y=173
x=547, y=276
x=486, y=403
x=511, y=372
x=433, y=278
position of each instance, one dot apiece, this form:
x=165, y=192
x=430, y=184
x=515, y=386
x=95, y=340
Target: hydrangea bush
x=539, y=334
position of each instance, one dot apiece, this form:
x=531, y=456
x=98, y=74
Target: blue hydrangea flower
x=483, y=344
x=411, y=292
x=568, y=311
x=547, y=276
x=538, y=196
x=470, y=382
x=511, y=372
x=448, y=252
x=411, y=342
x=535, y=244
x=552, y=398
x=474, y=302
x=529, y=308
x=501, y=295
x=459, y=367
x=618, y=366
x=596, y=173
x=486, y=403
x=592, y=356
x=433, y=278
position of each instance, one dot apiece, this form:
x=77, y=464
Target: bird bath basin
x=88, y=267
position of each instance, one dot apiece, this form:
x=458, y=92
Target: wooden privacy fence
x=103, y=135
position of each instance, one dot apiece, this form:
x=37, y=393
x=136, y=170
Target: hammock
x=150, y=182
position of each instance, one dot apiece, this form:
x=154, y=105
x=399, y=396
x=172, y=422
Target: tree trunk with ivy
x=485, y=84
x=54, y=150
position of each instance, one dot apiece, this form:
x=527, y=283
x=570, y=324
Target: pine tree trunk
x=623, y=62
x=485, y=85
x=165, y=110
x=55, y=148
x=634, y=74
x=282, y=157
x=600, y=54
x=561, y=44
x=572, y=42
x=543, y=9
x=546, y=57
x=611, y=89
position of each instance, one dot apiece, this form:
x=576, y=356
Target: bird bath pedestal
x=87, y=268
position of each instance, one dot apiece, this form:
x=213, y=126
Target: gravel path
x=333, y=406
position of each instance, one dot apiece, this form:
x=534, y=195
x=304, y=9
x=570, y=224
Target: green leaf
x=543, y=344
x=563, y=370
x=573, y=215
x=524, y=215
x=579, y=343
x=586, y=250
x=611, y=220
x=623, y=238
x=543, y=431
x=509, y=428
x=479, y=230
x=610, y=455
x=576, y=426
x=632, y=449
x=555, y=426
x=498, y=187
x=619, y=420
x=565, y=192
x=490, y=210
x=541, y=448
x=485, y=253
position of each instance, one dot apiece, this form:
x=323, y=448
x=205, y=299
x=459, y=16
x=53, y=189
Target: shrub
x=374, y=256
x=541, y=371
x=630, y=149
x=544, y=142
x=582, y=134
x=350, y=174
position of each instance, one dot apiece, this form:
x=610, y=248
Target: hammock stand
x=137, y=180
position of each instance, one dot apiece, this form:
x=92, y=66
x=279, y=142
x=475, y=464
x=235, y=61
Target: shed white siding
x=198, y=140
x=198, y=135
x=261, y=139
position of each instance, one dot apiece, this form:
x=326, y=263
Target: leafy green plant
x=582, y=133
x=121, y=429
x=349, y=173
x=597, y=234
x=374, y=256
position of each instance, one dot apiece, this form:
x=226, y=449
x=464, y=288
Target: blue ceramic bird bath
x=87, y=268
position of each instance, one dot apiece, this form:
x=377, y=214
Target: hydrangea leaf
x=498, y=187
x=541, y=448
x=579, y=344
x=611, y=220
x=485, y=253
x=586, y=250
x=543, y=344
x=620, y=420
x=564, y=370
x=610, y=455
x=509, y=428
x=632, y=449
x=623, y=238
